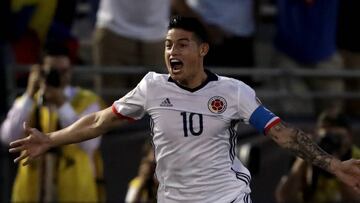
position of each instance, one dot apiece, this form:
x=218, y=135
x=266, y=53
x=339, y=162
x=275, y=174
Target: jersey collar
x=210, y=77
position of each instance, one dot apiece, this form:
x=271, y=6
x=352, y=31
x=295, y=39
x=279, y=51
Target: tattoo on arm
x=302, y=145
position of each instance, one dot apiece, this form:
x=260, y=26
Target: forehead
x=176, y=34
x=61, y=62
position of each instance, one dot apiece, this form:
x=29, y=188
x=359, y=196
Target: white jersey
x=194, y=134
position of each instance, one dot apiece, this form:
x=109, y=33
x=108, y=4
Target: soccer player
x=194, y=116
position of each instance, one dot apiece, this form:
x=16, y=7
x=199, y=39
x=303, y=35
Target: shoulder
x=152, y=78
x=234, y=85
x=230, y=81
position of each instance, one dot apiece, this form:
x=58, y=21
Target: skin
x=34, y=80
x=184, y=46
x=291, y=185
x=302, y=146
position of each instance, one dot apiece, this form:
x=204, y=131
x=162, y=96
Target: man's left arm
x=304, y=147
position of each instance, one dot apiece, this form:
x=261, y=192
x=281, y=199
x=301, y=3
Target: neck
x=195, y=81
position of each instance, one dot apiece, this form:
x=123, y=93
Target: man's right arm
x=87, y=127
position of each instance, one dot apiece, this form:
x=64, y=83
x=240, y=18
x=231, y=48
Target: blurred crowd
x=304, y=36
x=308, y=34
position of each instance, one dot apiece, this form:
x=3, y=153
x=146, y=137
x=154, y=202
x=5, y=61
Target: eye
x=168, y=45
x=183, y=45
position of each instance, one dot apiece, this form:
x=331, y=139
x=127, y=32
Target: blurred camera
x=52, y=77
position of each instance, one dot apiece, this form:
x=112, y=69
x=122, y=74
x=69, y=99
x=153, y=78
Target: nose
x=173, y=50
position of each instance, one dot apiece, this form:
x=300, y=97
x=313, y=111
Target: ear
x=204, y=49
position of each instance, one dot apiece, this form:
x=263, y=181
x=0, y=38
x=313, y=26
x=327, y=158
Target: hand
x=34, y=80
x=33, y=145
x=349, y=172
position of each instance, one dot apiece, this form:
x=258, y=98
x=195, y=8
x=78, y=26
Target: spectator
x=306, y=183
x=349, y=46
x=142, y=188
x=231, y=28
x=306, y=39
x=129, y=33
x=70, y=173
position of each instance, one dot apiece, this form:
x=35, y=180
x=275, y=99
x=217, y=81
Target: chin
x=176, y=77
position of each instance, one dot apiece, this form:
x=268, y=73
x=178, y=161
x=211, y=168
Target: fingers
x=21, y=157
x=35, y=68
x=356, y=172
x=356, y=188
x=16, y=149
x=24, y=156
x=357, y=161
x=18, y=143
x=27, y=161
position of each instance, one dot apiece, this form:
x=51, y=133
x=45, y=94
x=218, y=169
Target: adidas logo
x=166, y=102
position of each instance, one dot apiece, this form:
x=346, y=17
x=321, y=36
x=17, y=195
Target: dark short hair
x=190, y=24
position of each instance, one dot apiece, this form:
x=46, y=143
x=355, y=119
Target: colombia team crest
x=217, y=104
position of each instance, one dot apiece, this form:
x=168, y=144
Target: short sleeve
x=253, y=112
x=132, y=106
x=248, y=102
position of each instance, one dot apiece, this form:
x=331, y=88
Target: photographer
x=69, y=173
x=310, y=184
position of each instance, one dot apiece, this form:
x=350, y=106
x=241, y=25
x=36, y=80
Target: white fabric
x=11, y=128
x=234, y=16
x=202, y=166
x=138, y=19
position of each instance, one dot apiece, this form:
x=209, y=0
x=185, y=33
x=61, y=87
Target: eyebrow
x=181, y=39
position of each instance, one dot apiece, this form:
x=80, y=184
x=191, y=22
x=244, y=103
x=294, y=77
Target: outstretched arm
x=87, y=127
x=303, y=146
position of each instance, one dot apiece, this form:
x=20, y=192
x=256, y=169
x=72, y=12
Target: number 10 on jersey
x=188, y=123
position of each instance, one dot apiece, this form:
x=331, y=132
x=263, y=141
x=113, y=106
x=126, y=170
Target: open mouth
x=176, y=64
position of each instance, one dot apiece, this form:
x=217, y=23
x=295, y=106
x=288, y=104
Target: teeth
x=175, y=61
